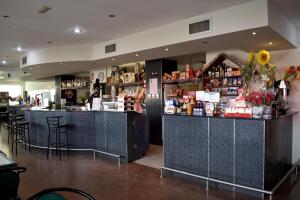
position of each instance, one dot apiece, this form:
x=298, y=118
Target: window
x=13, y=90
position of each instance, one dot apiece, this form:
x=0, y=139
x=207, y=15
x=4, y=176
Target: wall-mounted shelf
x=86, y=87
x=194, y=80
x=127, y=84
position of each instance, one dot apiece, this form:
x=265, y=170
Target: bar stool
x=57, y=127
x=20, y=134
x=12, y=118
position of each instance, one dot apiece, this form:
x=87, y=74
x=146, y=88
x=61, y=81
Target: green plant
x=248, y=69
x=82, y=99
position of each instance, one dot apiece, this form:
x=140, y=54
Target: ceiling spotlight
x=3, y=61
x=137, y=55
x=19, y=49
x=112, y=15
x=77, y=30
x=166, y=49
x=270, y=43
x=253, y=33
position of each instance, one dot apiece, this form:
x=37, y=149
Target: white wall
x=280, y=23
x=237, y=18
x=39, y=85
x=242, y=55
x=58, y=54
x=283, y=59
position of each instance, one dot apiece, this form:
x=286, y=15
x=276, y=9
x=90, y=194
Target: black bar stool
x=20, y=132
x=57, y=127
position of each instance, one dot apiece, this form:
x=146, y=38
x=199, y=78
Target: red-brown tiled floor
x=104, y=179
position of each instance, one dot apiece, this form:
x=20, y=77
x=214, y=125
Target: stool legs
x=67, y=140
x=48, y=145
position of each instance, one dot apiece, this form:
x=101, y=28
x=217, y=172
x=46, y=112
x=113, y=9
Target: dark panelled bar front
x=247, y=152
x=124, y=134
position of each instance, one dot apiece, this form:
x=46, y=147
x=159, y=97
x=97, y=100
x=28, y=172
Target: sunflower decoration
x=263, y=57
x=259, y=64
x=266, y=69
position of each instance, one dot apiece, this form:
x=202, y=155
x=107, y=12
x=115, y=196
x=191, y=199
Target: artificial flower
x=263, y=57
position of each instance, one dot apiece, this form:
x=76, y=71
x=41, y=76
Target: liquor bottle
x=217, y=72
x=221, y=71
x=225, y=70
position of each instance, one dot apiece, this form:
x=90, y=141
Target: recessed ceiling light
x=19, y=49
x=166, y=49
x=137, y=55
x=253, y=33
x=30, y=68
x=113, y=59
x=270, y=43
x=5, y=16
x=3, y=61
x=77, y=30
x=112, y=15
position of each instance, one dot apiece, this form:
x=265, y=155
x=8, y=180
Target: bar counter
x=121, y=134
x=254, y=153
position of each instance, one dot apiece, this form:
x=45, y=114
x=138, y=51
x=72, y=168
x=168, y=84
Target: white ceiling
x=27, y=28
x=243, y=40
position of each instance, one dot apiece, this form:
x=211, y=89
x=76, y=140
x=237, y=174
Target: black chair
x=57, y=127
x=3, y=116
x=51, y=194
x=2, y=153
x=9, y=182
x=19, y=130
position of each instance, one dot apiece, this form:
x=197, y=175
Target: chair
x=2, y=153
x=51, y=194
x=9, y=182
x=57, y=127
x=3, y=115
x=19, y=129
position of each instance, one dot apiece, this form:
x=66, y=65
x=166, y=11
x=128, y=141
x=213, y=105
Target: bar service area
x=224, y=122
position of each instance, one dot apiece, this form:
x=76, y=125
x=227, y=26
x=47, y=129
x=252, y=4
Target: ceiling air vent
x=110, y=48
x=24, y=60
x=200, y=27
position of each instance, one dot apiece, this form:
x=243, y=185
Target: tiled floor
x=153, y=157
x=104, y=179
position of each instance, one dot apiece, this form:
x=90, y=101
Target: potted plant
x=82, y=99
